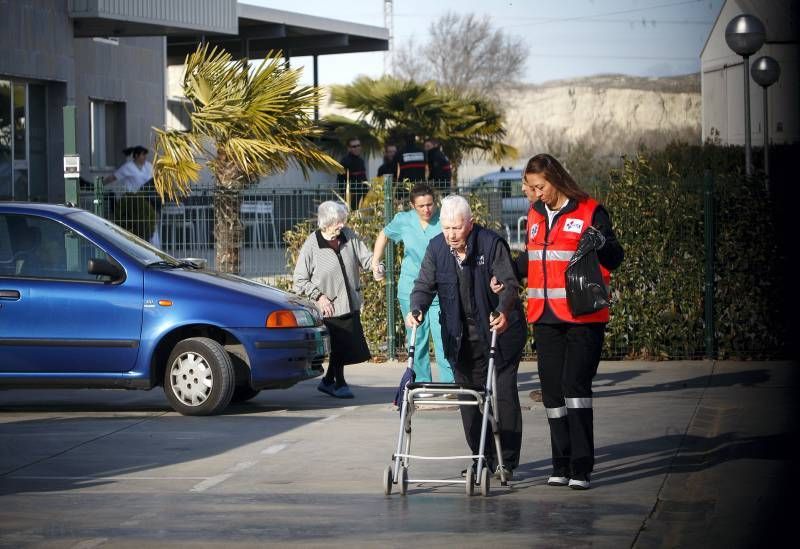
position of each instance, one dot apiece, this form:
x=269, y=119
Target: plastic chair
x=200, y=216
x=173, y=221
x=257, y=216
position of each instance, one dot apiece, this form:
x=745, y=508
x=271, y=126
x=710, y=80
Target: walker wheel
x=470, y=483
x=485, y=475
x=403, y=481
x=387, y=480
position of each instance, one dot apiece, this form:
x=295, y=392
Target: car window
x=6, y=253
x=44, y=248
x=139, y=249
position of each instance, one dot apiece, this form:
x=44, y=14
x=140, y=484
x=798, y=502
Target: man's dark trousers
x=472, y=368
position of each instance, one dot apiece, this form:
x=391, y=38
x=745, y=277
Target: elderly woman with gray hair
x=327, y=271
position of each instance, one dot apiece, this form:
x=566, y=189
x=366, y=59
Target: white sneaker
x=580, y=482
x=558, y=481
x=559, y=477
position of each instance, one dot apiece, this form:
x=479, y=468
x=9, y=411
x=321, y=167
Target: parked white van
x=507, y=194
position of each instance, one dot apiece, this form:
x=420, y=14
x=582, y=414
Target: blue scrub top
x=407, y=228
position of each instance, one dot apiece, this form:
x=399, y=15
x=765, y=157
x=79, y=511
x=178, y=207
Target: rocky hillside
x=609, y=114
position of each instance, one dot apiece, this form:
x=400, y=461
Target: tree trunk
x=227, y=229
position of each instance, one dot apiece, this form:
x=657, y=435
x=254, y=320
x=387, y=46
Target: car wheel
x=243, y=393
x=199, y=378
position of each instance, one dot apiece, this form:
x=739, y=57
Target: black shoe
x=558, y=478
x=579, y=481
x=474, y=471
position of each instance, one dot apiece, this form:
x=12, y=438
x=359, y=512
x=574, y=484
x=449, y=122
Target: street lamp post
x=745, y=35
x=765, y=71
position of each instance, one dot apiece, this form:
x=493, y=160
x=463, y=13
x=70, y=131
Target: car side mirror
x=104, y=267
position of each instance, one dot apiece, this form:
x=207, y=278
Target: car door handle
x=9, y=294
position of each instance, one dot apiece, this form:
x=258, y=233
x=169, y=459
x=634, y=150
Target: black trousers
x=473, y=367
x=568, y=356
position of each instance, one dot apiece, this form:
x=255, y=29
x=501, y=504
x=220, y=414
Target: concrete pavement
x=689, y=454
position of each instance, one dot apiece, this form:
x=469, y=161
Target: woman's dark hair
x=134, y=151
x=552, y=170
x=420, y=189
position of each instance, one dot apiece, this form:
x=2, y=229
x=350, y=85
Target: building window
x=108, y=133
x=23, y=141
x=6, y=141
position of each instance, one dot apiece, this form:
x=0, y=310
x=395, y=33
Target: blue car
x=86, y=304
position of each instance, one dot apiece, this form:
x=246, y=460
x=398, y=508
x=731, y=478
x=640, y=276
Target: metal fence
x=186, y=230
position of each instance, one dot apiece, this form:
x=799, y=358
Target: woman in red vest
x=568, y=346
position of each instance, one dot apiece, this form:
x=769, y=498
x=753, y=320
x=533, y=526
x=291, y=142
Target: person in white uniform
x=131, y=177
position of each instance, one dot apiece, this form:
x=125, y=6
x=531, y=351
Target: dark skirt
x=348, y=344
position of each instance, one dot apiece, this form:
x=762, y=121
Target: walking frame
x=419, y=395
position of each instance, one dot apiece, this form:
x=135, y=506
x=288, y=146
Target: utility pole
x=388, y=22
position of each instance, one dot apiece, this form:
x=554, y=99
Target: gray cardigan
x=318, y=271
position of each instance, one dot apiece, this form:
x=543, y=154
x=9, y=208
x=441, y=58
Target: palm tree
x=245, y=123
x=389, y=108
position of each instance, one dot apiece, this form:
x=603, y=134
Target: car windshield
x=139, y=249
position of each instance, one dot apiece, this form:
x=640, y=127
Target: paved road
x=690, y=454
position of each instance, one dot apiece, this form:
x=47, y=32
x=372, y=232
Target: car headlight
x=294, y=318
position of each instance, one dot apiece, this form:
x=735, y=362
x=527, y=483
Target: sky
x=566, y=38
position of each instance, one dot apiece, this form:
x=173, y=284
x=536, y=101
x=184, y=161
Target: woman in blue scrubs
x=414, y=228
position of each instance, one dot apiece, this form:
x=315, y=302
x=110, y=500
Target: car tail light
x=289, y=319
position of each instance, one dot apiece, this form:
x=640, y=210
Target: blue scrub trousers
x=430, y=327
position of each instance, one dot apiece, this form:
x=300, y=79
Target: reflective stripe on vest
x=547, y=262
x=538, y=293
x=552, y=255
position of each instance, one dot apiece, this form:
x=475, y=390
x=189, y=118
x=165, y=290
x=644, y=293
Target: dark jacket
x=358, y=174
x=356, y=168
x=439, y=169
x=411, y=163
x=438, y=275
x=388, y=168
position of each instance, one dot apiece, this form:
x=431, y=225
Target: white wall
x=722, y=73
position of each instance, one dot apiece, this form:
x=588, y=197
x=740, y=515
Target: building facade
x=110, y=59
x=722, y=77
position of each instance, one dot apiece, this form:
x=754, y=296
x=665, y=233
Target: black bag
x=586, y=291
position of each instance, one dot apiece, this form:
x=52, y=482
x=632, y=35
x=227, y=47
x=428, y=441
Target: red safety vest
x=548, y=260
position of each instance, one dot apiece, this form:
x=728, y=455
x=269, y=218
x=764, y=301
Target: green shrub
x=658, y=216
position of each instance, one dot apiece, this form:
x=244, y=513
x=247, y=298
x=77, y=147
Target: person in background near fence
x=135, y=213
x=411, y=164
x=355, y=172
x=327, y=271
x=134, y=173
x=415, y=228
x=568, y=347
x=439, y=169
x=458, y=266
x=389, y=166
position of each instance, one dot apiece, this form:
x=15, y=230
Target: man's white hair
x=455, y=206
x=330, y=213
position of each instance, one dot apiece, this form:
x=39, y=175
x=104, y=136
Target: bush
x=658, y=216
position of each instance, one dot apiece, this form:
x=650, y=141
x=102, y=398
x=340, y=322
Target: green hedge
x=658, y=215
